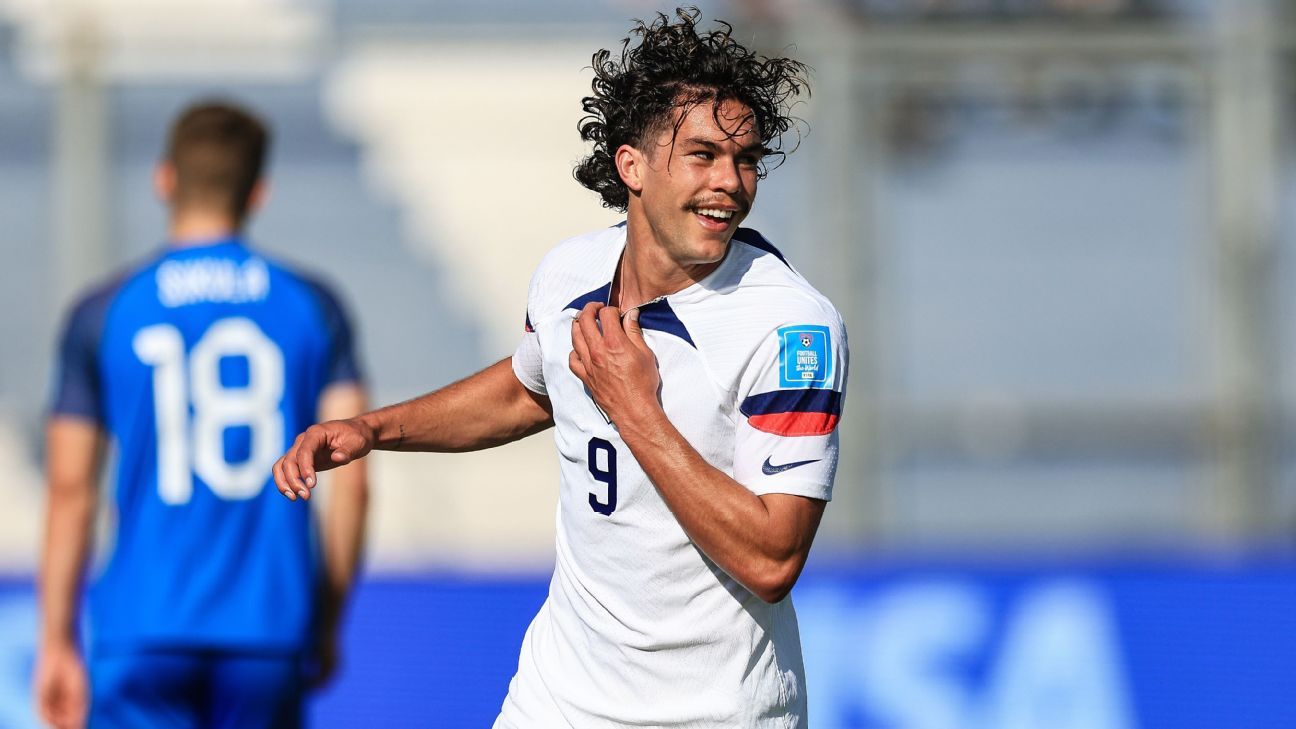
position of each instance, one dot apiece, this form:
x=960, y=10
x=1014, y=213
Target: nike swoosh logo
x=770, y=469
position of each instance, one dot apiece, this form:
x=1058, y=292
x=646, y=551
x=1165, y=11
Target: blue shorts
x=191, y=689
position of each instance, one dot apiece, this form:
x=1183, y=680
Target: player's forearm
x=762, y=549
x=486, y=409
x=69, y=519
x=343, y=524
x=73, y=450
x=343, y=537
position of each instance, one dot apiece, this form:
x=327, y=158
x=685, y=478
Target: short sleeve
x=77, y=386
x=343, y=364
x=790, y=401
x=528, y=364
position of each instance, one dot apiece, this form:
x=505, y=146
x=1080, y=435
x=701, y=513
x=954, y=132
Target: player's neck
x=647, y=272
x=197, y=227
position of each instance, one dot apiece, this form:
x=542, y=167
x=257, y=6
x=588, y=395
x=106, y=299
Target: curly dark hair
x=674, y=65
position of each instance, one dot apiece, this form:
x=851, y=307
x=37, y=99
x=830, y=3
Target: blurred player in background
x=199, y=365
x=695, y=380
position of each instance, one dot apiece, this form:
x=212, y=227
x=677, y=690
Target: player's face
x=698, y=183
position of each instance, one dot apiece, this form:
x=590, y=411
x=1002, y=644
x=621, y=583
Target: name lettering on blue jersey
x=212, y=280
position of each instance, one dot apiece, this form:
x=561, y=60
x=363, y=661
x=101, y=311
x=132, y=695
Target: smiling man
x=694, y=380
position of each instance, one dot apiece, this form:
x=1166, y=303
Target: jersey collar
x=206, y=243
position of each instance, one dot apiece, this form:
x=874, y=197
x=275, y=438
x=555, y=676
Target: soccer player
x=694, y=380
x=199, y=366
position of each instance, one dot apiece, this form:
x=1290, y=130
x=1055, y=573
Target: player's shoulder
x=756, y=300
x=576, y=267
x=92, y=305
x=582, y=252
x=317, y=285
x=97, y=297
x=765, y=290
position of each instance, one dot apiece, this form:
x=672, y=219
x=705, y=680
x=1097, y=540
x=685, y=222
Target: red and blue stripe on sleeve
x=794, y=412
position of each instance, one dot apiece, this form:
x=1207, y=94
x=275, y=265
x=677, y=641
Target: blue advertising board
x=1116, y=646
x=1171, y=643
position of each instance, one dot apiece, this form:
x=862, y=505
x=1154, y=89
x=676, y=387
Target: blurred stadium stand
x=1060, y=232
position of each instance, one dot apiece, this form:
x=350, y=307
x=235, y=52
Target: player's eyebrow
x=755, y=148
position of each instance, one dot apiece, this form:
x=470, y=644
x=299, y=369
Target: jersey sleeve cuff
x=809, y=488
x=534, y=384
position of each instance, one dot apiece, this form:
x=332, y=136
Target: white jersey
x=641, y=628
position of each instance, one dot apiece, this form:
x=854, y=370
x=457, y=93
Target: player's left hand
x=610, y=356
x=326, y=661
x=61, y=686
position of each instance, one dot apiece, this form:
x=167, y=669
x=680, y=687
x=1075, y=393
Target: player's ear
x=630, y=165
x=259, y=194
x=164, y=181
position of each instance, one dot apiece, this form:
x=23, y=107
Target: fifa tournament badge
x=805, y=359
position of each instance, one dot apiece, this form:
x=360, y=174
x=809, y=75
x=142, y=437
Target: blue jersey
x=202, y=366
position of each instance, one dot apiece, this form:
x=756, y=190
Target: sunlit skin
x=710, y=162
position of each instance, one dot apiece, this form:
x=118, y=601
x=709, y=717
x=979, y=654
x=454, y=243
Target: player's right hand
x=323, y=446
x=62, y=689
